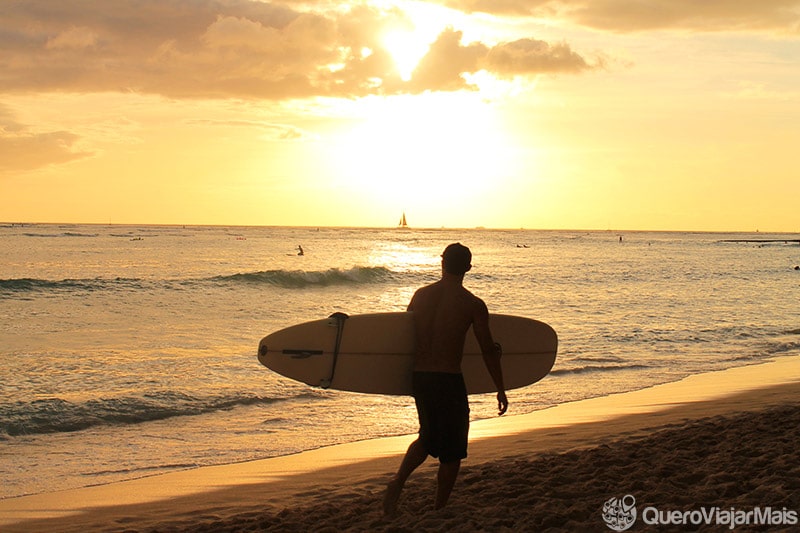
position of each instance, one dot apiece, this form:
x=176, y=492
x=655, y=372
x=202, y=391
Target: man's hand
x=502, y=403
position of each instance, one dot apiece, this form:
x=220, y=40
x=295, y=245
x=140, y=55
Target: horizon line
x=407, y=228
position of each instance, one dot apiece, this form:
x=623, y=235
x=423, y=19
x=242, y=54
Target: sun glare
x=406, y=49
x=441, y=151
x=409, y=39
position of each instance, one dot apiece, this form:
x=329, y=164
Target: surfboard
x=373, y=353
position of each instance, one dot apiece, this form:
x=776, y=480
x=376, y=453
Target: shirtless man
x=443, y=313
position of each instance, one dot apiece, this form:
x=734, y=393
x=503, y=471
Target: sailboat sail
x=403, y=223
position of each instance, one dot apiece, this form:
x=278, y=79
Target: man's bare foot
x=393, y=489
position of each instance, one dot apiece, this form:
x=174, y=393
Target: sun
x=430, y=151
x=406, y=48
x=408, y=38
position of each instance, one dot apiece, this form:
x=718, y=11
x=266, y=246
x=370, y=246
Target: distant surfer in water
x=300, y=250
x=443, y=313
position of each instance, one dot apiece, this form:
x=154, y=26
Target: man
x=443, y=313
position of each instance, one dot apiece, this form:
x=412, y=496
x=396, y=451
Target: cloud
x=73, y=38
x=239, y=49
x=31, y=151
x=271, y=131
x=532, y=56
x=448, y=59
x=776, y=16
x=22, y=149
x=8, y=124
x=709, y=15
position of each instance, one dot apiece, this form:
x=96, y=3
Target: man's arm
x=491, y=353
x=411, y=303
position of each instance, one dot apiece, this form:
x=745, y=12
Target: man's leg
x=415, y=456
x=446, y=479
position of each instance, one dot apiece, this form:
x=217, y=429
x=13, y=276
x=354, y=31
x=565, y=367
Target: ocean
x=130, y=351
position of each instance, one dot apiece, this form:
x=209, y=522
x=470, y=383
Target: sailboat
x=403, y=223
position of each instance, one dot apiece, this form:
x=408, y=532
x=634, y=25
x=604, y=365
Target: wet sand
x=725, y=440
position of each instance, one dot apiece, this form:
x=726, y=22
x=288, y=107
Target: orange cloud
x=30, y=151
x=22, y=149
x=532, y=56
x=779, y=16
x=237, y=48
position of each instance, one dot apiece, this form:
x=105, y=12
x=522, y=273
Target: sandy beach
x=709, y=452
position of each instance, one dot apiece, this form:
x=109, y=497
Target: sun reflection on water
x=401, y=257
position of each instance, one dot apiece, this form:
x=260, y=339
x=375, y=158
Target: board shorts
x=443, y=411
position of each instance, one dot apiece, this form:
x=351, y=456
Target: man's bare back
x=443, y=313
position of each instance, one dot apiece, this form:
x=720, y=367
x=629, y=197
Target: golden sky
x=579, y=114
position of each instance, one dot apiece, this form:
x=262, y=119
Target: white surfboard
x=373, y=353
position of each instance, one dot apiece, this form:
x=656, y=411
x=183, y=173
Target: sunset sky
x=579, y=114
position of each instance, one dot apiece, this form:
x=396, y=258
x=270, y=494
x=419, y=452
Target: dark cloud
x=777, y=16
x=237, y=48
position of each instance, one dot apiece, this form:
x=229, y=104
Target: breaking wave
x=293, y=279
x=54, y=415
x=588, y=369
x=290, y=279
x=23, y=285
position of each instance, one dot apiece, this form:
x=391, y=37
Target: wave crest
x=588, y=369
x=21, y=285
x=293, y=279
x=289, y=279
x=54, y=415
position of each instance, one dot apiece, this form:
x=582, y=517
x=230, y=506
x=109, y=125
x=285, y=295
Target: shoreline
x=341, y=486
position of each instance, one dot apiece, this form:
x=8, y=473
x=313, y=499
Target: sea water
x=128, y=351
